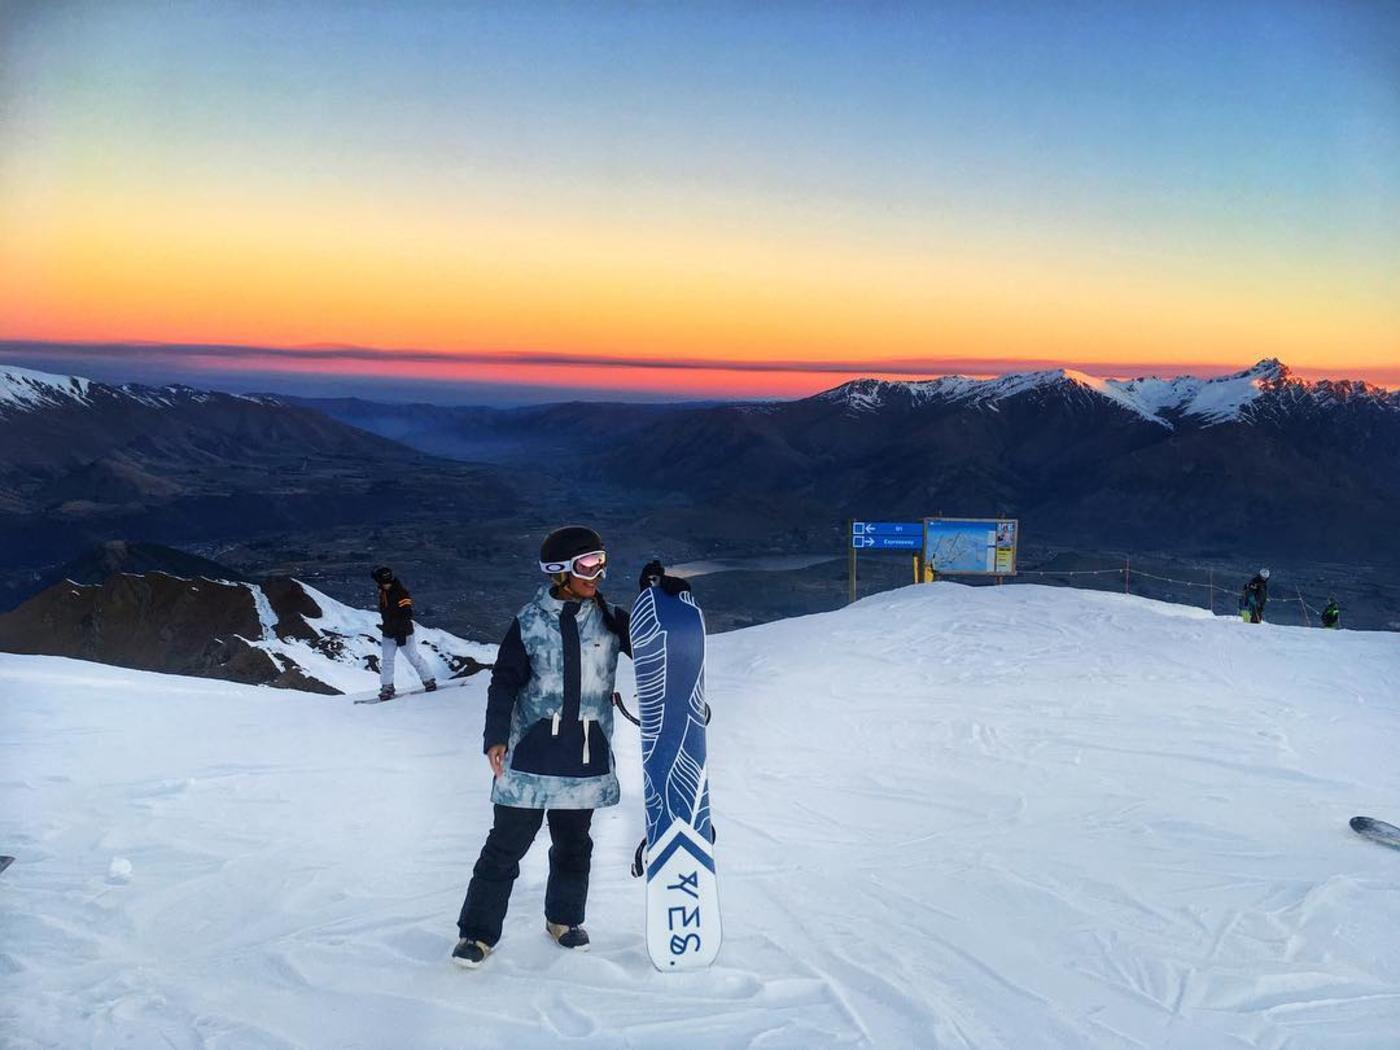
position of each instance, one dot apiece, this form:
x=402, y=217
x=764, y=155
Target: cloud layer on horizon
x=201, y=357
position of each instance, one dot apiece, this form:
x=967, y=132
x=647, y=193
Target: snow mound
x=957, y=817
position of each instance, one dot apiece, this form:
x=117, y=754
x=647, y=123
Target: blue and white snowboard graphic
x=668, y=654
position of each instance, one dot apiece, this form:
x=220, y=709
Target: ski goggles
x=585, y=566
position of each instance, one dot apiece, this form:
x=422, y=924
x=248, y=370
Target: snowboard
x=1376, y=831
x=668, y=655
x=5, y=862
x=373, y=698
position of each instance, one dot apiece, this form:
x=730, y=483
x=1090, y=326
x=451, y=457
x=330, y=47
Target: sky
x=519, y=201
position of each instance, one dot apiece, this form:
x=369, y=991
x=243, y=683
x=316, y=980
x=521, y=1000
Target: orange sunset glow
x=558, y=263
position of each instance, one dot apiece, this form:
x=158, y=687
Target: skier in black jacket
x=1254, y=597
x=396, y=609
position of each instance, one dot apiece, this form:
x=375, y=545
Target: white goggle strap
x=553, y=567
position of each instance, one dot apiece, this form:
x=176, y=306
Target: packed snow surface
x=959, y=817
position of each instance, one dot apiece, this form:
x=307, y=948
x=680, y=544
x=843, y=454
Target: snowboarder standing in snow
x=396, y=611
x=1254, y=597
x=549, y=721
x=1332, y=615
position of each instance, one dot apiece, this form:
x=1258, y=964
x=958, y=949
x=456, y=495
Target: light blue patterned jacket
x=550, y=703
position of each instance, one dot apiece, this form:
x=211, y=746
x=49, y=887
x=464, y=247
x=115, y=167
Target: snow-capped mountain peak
x=23, y=389
x=1166, y=402
x=28, y=390
x=871, y=395
x=1215, y=400
x=861, y=396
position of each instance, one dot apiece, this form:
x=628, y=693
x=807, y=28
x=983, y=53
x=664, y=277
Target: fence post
x=1127, y=573
x=849, y=534
x=1212, y=592
x=1307, y=620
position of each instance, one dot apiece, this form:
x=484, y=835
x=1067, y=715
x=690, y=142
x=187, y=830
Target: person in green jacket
x=1332, y=615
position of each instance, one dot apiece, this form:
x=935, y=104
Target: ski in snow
x=1376, y=831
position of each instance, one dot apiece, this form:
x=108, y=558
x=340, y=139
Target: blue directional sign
x=887, y=535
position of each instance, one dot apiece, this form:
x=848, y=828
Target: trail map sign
x=980, y=546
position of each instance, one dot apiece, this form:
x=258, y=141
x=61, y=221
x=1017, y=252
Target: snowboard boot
x=567, y=936
x=430, y=685
x=469, y=954
x=386, y=692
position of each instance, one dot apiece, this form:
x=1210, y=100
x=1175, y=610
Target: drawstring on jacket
x=571, y=710
x=587, y=726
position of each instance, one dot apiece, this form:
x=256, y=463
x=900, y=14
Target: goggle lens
x=585, y=566
x=590, y=566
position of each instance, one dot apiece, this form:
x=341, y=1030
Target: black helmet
x=565, y=544
x=382, y=575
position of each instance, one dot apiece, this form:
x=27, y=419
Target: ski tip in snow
x=5, y=862
x=1377, y=831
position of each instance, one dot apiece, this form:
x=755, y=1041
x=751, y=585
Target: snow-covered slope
x=1013, y=817
x=1217, y=400
x=1205, y=402
x=346, y=638
x=26, y=390
x=23, y=389
x=157, y=621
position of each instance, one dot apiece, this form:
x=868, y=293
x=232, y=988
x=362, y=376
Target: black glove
x=654, y=570
x=651, y=571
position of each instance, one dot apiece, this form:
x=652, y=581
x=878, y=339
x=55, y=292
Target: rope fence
x=1069, y=572
x=1127, y=573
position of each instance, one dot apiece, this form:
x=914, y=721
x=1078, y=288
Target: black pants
x=498, y=867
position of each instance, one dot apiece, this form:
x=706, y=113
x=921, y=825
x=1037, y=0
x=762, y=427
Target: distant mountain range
x=1181, y=403
x=83, y=462
x=529, y=434
x=107, y=559
x=1257, y=462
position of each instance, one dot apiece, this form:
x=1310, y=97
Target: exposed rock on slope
x=281, y=633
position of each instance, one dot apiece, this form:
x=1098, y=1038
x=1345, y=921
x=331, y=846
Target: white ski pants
x=386, y=660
